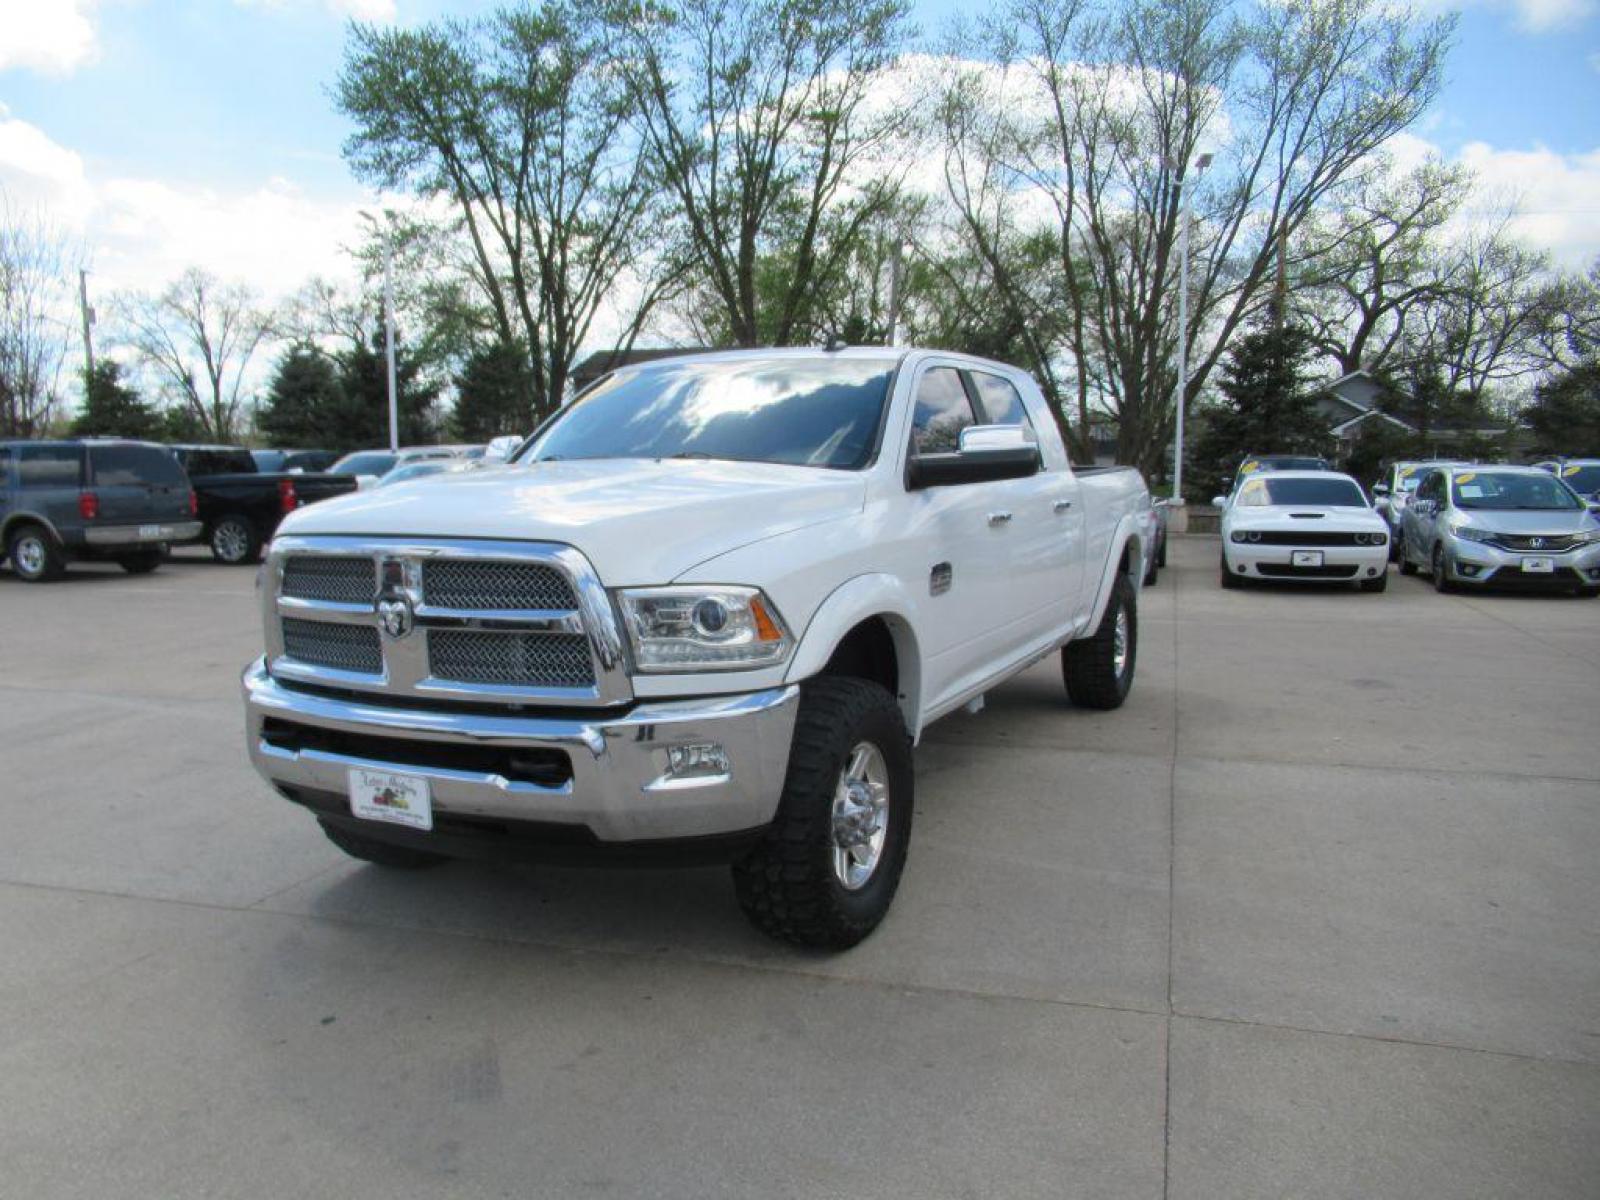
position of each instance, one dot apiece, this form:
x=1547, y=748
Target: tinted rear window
x=1332, y=491
x=50, y=466
x=135, y=466
x=218, y=462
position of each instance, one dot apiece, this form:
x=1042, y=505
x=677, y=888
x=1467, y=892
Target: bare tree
x=1108, y=108
x=764, y=125
x=520, y=122
x=1378, y=265
x=199, y=335
x=35, y=319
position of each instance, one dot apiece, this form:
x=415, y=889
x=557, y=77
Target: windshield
x=1504, y=490
x=797, y=411
x=364, y=462
x=1584, y=479
x=414, y=471
x=1332, y=492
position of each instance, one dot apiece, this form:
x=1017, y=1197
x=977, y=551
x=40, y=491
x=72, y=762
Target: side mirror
x=1219, y=502
x=1594, y=507
x=1380, y=489
x=986, y=453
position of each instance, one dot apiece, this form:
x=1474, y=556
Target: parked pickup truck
x=239, y=506
x=705, y=613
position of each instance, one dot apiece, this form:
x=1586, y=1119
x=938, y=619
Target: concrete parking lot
x=1317, y=914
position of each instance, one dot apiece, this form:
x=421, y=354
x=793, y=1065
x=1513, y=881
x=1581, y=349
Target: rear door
x=1040, y=539
x=137, y=484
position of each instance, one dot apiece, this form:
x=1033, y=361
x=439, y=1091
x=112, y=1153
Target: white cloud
x=1542, y=16
x=1557, y=196
x=53, y=37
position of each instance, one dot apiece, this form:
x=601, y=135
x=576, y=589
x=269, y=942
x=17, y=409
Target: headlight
x=1468, y=533
x=1586, y=537
x=703, y=628
x=1238, y=535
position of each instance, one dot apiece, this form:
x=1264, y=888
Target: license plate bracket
x=1539, y=566
x=1306, y=558
x=149, y=533
x=391, y=796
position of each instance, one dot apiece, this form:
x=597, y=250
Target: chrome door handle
x=999, y=518
x=1062, y=505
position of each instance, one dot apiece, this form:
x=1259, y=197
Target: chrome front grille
x=345, y=580
x=471, y=584
x=443, y=619
x=341, y=647
x=553, y=660
x=1550, y=543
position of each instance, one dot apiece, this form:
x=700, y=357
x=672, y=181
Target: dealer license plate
x=1307, y=558
x=391, y=796
x=149, y=533
x=1539, y=566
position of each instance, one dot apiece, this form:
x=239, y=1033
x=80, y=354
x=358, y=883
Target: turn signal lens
x=88, y=505
x=766, y=628
x=288, y=501
x=194, y=503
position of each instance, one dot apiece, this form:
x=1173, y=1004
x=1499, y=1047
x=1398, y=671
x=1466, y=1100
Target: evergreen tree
x=304, y=405
x=364, y=414
x=1565, y=413
x=112, y=408
x=1270, y=406
x=494, y=394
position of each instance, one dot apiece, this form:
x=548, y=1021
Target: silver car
x=1501, y=525
x=1395, y=488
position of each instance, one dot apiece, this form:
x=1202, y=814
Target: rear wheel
x=234, y=541
x=1407, y=567
x=381, y=853
x=35, y=557
x=1098, y=670
x=826, y=871
x=1161, y=553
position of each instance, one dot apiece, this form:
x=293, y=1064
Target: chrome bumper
x=142, y=535
x=622, y=785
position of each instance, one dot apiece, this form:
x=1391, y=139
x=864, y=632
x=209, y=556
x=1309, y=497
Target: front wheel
x=234, y=541
x=1441, y=571
x=1098, y=670
x=826, y=871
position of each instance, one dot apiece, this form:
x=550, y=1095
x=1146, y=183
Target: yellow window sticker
x=1250, y=467
x=1570, y=471
x=1407, y=472
x=1254, y=488
x=1467, y=478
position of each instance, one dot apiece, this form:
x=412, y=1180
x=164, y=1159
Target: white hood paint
x=1329, y=518
x=639, y=521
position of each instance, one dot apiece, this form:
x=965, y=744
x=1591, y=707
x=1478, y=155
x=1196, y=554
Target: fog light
x=697, y=761
x=1372, y=570
x=1468, y=569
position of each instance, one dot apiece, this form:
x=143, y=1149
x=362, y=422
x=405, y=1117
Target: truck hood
x=639, y=521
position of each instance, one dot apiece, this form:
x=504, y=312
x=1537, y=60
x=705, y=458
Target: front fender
x=852, y=602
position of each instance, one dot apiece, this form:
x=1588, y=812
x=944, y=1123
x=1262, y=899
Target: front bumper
x=150, y=534
x=1486, y=565
x=1253, y=560
x=608, y=774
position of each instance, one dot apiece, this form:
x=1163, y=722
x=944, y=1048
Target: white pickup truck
x=703, y=615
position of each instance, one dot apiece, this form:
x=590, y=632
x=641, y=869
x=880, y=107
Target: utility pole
x=88, y=339
x=1200, y=164
x=896, y=284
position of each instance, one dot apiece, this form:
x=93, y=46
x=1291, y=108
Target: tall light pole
x=386, y=236
x=1200, y=164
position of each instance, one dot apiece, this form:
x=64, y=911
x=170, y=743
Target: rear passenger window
x=50, y=466
x=942, y=412
x=1002, y=404
x=135, y=466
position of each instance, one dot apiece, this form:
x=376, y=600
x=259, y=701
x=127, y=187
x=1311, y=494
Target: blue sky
x=160, y=128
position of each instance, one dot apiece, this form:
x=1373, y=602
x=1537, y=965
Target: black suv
x=91, y=499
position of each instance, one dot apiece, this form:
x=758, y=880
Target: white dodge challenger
x=1307, y=525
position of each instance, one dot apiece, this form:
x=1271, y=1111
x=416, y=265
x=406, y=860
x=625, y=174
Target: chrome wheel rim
x=860, y=816
x=229, y=540
x=1119, y=643
x=30, y=555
